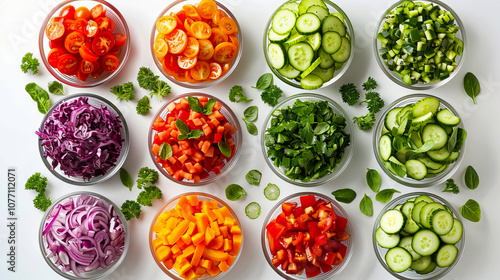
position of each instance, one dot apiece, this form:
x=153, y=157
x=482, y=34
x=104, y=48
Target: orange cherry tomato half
x=177, y=41
x=191, y=12
x=215, y=71
x=57, y=19
x=186, y=62
x=69, y=25
x=86, y=67
x=160, y=48
x=179, y=74
x=81, y=25
x=201, y=30
x=109, y=62
x=105, y=24
x=225, y=68
x=200, y=71
x=206, y=50
x=91, y=29
x=166, y=24
x=206, y=8
x=86, y=53
x=67, y=64
x=187, y=25
x=234, y=40
x=102, y=43
x=82, y=12
x=120, y=39
x=192, y=48
x=225, y=52
x=74, y=41
x=228, y=25
x=189, y=78
x=68, y=12
x=98, y=11
x=54, y=55
x=181, y=15
x=54, y=30
x=218, y=37
x=218, y=15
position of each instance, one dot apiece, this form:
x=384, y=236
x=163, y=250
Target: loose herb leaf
x=251, y=127
x=126, y=179
x=385, y=196
x=251, y=113
x=461, y=136
x=321, y=128
x=30, y=63
x=471, y=178
x=143, y=107
x=306, y=134
x=271, y=95
x=147, y=177
x=41, y=202
x=471, y=211
x=264, y=81
x=131, y=209
x=236, y=95
x=471, y=86
x=165, y=151
x=195, y=105
x=56, y=88
x=182, y=127
x=370, y=84
x=36, y=182
x=373, y=101
x=451, y=186
x=452, y=142
x=373, y=179
x=224, y=148
x=350, y=94
x=425, y=147
x=399, y=169
x=366, y=206
x=148, y=194
x=195, y=134
x=234, y=192
x=253, y=177
x=125, y=91
x=209, y=106
x=40, y=96
x=344, y=195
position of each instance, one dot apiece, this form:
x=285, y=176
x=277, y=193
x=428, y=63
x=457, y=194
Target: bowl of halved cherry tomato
x=307, y=236
x=196, y=43
x=84, y=43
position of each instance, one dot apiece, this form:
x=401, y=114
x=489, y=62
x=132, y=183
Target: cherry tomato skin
x=120, y=39
x=109, y=63
x=54, y=55
x=81, y=25
x=59, y=43
x=86, y=53
x=86, y=67
x=54, y=30
x=74, y=41
x=67, y=64
x=91, y=29
x=82, y=12
x=170, y=62
x=105, y=24
x=68, y=12
x=102, y=43
x=98, y=11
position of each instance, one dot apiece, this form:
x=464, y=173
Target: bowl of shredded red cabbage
x=83, y=139
x=84, y=235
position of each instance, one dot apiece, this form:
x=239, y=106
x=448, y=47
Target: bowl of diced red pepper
x=307, y=235
x=195, y=139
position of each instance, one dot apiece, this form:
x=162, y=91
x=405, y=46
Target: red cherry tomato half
x=74, y=41
x=86, y=53
x=114, y=51
x=69, y=25
x=170, y=62
x=86, y=67
x=102, y=43
x=82, y=76
x=120, y=39
x=67, y=64
x=59, y=43
x=109, y=62
x=54, y=30
x=54, y=55
x=98, y=11
x=57, y=19
x=105, y=24
x=68, y=12
x=81, y=25
x=82, y=12
x=91, y=29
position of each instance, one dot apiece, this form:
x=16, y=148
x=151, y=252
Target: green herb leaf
x=195, y=134
x=306, y=134
x=209, y=106
x=461, y=136
x=182, y=127
x=471, y=211
x=165, y=151
x=253, y=177
x=225, y=149
x=344, y=195
x=321, y=128
x=452, y=141
x=40, y=96
x=264, y=81
x=131, y=209
x=148, y=194
x=271, y=95
x=194, y=104
x=29, y=63
x=251, y=127
x=399, y=169
x=451, y=186
x=56, y=88
x=126, y=179
x=366, y=206
x=425, y=147
x=373, y=179
x=385, y=196
x=234, y=192
x=251, y=113
x=471, y=178
x=471, y=86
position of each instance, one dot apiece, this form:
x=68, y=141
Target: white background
x=19, y=26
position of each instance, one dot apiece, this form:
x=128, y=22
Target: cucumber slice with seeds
x=446, y=255
x=425, y=242
x=415, y=212
x=333, y=23
x=385, y=147
x=398, y=259
x=455, y=233
x=311, y=82
x=392, y=221
x=324, y=74
x=406, y=244
x=343, y=54
x=305, y=4
x=283, y=21
x=276, y=38
x=252, y=210
x=326, y=59
x=436, y=133
x=426, y=212
x=429, y=269
x=300, y=56
x=416, y=169
x=271, y=192
x=319, y=11
x=441, y=222
x=386, y=240
x=277, y=55
x=424, y=106
x=446, y=117
x=289, y=72
x=421, y=264
x=331, y=42
x=314, y=40
x=308, y=23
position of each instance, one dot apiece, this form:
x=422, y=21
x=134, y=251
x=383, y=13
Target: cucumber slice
x=294, y=39
x=452, y=158
x=423, y=119
x=385, y=147
x=289, y=72
x=446, y=255
x=276, y=38
x=424, y=106
x=309, y=69
x=277, y=55
x=333, y=23
x=272, y=192
x=423, y=197
x=429, y=269
x=314, y=40
x=405, y=113
x=415, y=139
x=326, y=60
x=392, y=221
x=398, y=259
x=446, y=117
x=307, y=23
x=386, y=240
x=426, y=212
x=455, y=233
x=319, y=11
x=390, y=118
x=421, y=264
x=416, y=169
x=410, y=225
x=252, y=210
x=398, y=207
x=441, y=222
x=323, y=74
x=431, y=172
x=311, y=82
x=305, y=4
x=415, y=212
x=436, y=133
x=429, y=163
x=425, y=242
x=283, y=21
x=343, y=54
x=406, y=244
x=331, y=42
x=300, y=56
x=292, y=6
x=439, y=155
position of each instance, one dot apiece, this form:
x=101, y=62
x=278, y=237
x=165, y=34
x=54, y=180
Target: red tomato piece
x=54, y=30
x=109, y=62
x=82, y=12
x=102, y=43
x=54, y=55
x=105, y=24
x=81, y=25
x=67, y=64
x=68, y=12
x=59, y=43
x=74, y=41
x=86, y=67
x=170, y=62
x=87, y=54
x=91, y=29
x=82, y=76
x=120, y=39
x=98, y=11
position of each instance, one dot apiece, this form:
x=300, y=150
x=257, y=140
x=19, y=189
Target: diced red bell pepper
x=318, y=203
x=276, y=230
x=320, y=239
x=298, y=211
x=300, y=247
x=326, y=224
x=307, y=200
x=281, y=219
x=314, y=229
x=338, y=259
x=302, y=220
x=342, y=250
x=341, y=224
x=286, y=240
x=279, y=257
x=190, y=124
x=298, y=239
x=328, y=258
x=341, y=236
x=288, y=207
x=299, y=257
x=217, y=138
x=331, y=246
x=325, y=268
x=309, y=253
x=292, y=268
x=317, y=250
x=312, y=270
x=274, y=245
x=183, y=115
x=290, y=253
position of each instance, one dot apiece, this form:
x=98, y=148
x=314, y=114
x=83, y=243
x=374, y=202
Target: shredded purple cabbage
x=84, y=235
x=81, y=139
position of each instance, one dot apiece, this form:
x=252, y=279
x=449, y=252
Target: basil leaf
x=165, y=151
x=40, y=96
x=195, y=134
x=234, y=192
x=471, y=178
x=43, y=106
x=344, y=195
x=425, y=147
x=366, y=206
x=182, y=127
x=251, y=127
x=471, y=86
x=264, y=81
x=253, y=177
x=251, y=113
x=195, y=105
x=461, y=136
x=56, y=88
x=385, y=196
x=471, y=211
x=209, y=106
x=452, y=142
x=182, y=136
x=321, y=128
x=225, y=149
x=373, y=179
x=399, y=169
x=126, y=179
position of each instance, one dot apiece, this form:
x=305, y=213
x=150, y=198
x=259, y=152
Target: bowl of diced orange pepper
x=195, y=236
x=196, y=43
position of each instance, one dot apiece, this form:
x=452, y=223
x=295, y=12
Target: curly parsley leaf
x=125, y=91
x=30, y=63
x=236, y=95
x=143, y=106
x=451, y=186
x=370, y=84
x=131, y=209
x=147, y=177
x=148, y=194
x=350, y=94
x=271, y=95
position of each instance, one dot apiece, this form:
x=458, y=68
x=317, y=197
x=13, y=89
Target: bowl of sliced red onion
x=84, y=235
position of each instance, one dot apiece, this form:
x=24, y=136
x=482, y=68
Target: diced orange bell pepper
x=215, y=227
x=223, y=266
x=209, y=235
x=224, y=231
x=197, y=254
x=228, y=245
x=215, y=255
x=201, y=221
x=163, y=252
x=178, y=231
x=225, y=212
x=237, y=239
x=235, y=229
x=206, y=263
x=198, y=238
x=216, y=243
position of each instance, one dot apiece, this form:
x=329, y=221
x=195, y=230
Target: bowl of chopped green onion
x=307, y=140
x=420, y=45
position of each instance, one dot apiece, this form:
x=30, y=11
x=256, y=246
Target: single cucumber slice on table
x=398, y=259
x=272, y=192
x=252, y=210
x=277, y=55
x=425, y=242
x=392, y=221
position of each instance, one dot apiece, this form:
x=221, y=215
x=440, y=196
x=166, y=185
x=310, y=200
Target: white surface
x=19, y=26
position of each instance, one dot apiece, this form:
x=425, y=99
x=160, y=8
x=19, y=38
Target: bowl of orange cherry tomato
x=84, y=43
x=196, y=43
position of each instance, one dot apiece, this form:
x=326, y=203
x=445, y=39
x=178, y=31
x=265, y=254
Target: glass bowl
x=172, y=273
x=410, y=274
x=237, y=137
x=95, y=101
x=333, y=8
x=120, y=27
x=420, y=86
x=277, y=210
x=110, y=207
x=174, y=7
x=410, y=182
x=348, y=152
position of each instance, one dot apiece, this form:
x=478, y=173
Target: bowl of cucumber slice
x=418, y=236
x=419, y=140
x=420, y=45
x=309, y=44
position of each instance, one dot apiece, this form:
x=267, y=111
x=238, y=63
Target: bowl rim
x=172, y=202
x=106, y=271
x=337, y=73
x=348, y=152
x=229, y=165
x=426, y=182
x=55, y=73
x=404, y=197
x=350, y=242
x=123, y=153
x=420, y=86
x=200, y=85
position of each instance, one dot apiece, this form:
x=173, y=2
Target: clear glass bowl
x=120, y=27
x=172, y=273
x=420, y=86
x=333, y=8
x=238, y=139
x=175, y=7
x=349, y=243
x=407, y=181
x=96, y=101
x=348, y=152
x=409, y=274
x=96, y=273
